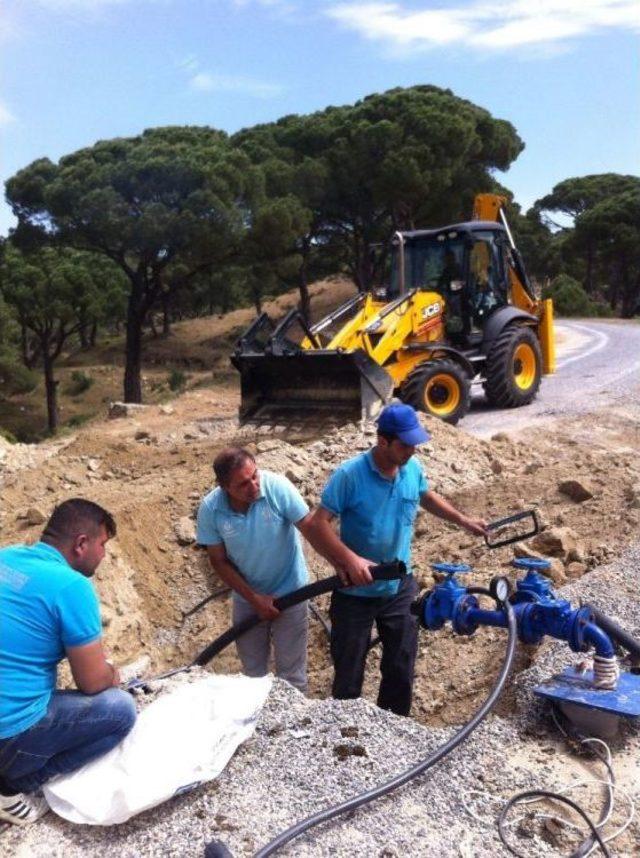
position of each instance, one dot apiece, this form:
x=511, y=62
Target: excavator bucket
x=341, y=387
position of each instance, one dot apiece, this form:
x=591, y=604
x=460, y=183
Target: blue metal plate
x=575, y=687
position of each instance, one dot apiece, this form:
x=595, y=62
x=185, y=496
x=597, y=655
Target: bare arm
x=317, y=528
x=91, y=670
x=228, y=573
x=441, y=508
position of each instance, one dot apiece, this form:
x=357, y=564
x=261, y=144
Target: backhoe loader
x=458, y=308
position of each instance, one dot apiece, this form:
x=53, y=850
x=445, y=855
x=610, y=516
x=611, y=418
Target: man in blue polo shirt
x=250, y=525
x=50, y=610
x=376, y=496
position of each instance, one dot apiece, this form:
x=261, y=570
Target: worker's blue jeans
x=77, y=728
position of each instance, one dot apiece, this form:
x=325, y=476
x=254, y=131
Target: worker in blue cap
x=376, y=496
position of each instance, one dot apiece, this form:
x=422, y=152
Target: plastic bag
x=180, y=740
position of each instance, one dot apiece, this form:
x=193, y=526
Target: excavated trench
x=151, y=472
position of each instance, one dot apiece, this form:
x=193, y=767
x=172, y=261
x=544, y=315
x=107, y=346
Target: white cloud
x=208, y=82
x=6, y=116
x=499, y=25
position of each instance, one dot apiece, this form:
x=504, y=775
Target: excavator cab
x=465, y=265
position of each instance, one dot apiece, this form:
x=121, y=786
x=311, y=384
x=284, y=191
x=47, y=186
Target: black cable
x=320, y=618
x=433, y=758
x=542, y=793
x=219, y=592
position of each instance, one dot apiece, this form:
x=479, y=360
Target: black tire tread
x=498, y=385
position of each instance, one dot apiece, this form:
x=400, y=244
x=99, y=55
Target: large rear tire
x=513, y=368
x=440, y=388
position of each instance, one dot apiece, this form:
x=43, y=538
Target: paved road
x=598, y=365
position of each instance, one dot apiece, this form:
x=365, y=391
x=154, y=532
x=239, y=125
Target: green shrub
x=8, y=436
x=16, y=378
x=78, y=420
x=569, y=298
x=177, y=380
x=80, y=382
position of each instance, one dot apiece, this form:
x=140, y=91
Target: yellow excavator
x=458, y=308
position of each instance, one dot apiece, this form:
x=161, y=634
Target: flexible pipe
x=616, y=632
x=383, y=572
x=409, y=774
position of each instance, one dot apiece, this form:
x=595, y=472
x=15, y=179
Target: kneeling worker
x=50, y=610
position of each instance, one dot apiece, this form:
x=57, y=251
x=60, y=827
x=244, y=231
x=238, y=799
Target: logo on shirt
x=228, y=529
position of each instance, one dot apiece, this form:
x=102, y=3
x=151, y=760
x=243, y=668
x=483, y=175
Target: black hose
x=383, y=572
x=414, y=771
x=543, y=793
x=616, y=632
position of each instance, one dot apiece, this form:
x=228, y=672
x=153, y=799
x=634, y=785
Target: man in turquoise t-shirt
x=376, y=496
x=250, y=525
x=50, y=610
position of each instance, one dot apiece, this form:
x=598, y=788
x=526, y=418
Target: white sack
x=183, y=738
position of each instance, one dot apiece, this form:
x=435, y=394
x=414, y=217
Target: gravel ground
x=309, y=754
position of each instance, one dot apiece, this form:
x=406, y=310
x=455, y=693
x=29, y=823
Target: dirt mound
x=151, y=471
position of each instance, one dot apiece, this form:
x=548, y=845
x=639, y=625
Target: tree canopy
x=169, y=197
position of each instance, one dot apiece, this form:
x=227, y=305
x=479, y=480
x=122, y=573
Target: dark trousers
x=352, y=619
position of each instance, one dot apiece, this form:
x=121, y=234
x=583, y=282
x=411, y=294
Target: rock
x=125, y=409
x=93, y=465
x=166, y=409
x=34, y=516
x=185, y=531
x=296, y=474
x=577, y=490
x=501, y=437
x=633, y=496
x=141, y=434
x=575, y=569
x=555, y=542
x=556, y=570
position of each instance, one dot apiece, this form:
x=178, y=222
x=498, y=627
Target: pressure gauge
x=500, y=588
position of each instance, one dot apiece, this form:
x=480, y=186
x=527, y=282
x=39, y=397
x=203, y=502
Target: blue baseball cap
x=401, y=420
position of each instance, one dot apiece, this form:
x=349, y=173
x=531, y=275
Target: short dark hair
x=74, y=517
x=389, y=437
x=228, y=460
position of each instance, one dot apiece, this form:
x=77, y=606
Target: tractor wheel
x=513, y=368
x=441, y=388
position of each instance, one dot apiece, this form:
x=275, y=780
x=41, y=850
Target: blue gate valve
x=447, y=601
x=538, y=611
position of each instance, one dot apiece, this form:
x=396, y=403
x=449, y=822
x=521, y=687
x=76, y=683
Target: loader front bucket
x=342, y=386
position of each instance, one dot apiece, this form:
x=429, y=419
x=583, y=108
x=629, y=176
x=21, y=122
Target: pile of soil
x=152, y=468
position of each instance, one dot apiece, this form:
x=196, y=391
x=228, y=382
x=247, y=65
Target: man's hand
x=354, y=570
x=477, y=526
x=264, y=606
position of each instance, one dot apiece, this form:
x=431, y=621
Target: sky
x=565, y=73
